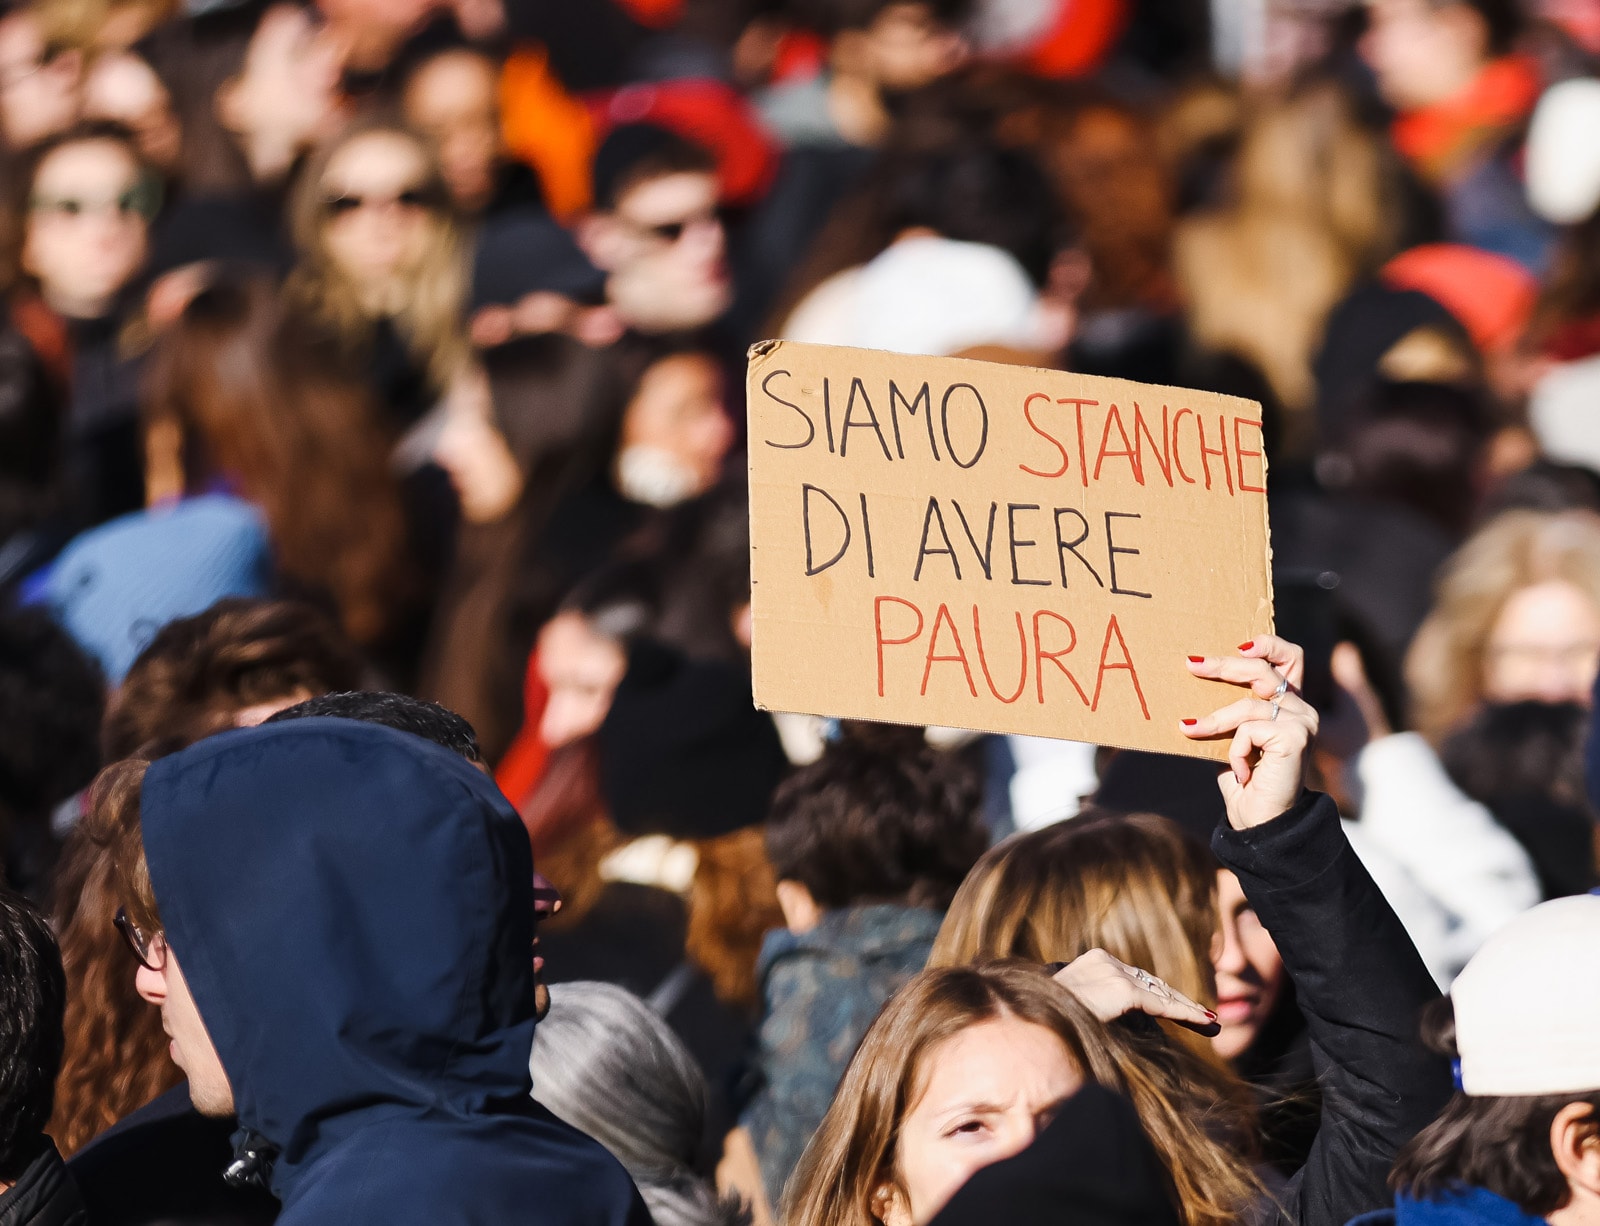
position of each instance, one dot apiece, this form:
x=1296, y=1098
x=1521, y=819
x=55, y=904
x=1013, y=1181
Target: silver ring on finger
x=1283, y=687
x=1275, y=709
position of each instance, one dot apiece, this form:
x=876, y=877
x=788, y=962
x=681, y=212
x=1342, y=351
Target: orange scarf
x=1438, y=138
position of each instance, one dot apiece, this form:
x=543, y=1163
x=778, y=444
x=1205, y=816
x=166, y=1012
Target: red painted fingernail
x=1190, y=723
x=1247, y=646
x=1211, y=1015
x=1197, y=659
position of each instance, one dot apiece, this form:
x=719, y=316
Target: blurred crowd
x=378, y=364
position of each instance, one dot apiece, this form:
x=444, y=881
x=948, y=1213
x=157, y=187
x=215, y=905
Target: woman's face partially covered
x=986, y=1093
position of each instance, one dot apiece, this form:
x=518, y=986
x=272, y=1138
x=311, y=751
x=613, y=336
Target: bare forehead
x=453, y=79
x=87, y=163
x=670, y=197
x=376, y=156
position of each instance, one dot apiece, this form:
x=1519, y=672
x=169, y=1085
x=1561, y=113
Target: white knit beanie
x=1527, y=1006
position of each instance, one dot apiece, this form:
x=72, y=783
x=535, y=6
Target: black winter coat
x=1361, y=986
x=43, y=1195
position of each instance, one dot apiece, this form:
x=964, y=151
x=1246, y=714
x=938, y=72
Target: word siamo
x=1180, y=447
x=1053, y=637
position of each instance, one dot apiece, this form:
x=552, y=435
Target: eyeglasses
x=137, y=200
x=412, y=199
x=149, y=948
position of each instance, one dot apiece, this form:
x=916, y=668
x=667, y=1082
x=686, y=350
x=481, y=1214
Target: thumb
x=1232, y=790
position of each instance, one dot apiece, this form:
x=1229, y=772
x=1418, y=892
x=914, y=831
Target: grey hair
x=607, y=1064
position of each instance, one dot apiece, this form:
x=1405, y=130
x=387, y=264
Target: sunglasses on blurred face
x=669, y=232
x=413, y=199
x=137, y=200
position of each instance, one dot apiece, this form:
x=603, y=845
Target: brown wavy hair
x=197, y=672
x=235, y=393
x=430, y=317
x=116, y=1052
x=854, y=1151
x=733, y=904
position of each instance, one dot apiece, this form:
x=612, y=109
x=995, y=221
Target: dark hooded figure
x=338, y=928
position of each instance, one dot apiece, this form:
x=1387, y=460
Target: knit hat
x=683, y=750
x=1526, y=1005
x=1563, y=166
x=116, y=585
x=1492, y=295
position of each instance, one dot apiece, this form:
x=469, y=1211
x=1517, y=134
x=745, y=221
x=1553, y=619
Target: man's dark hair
x=51, y=697
x=636, y=153
x=425, y=719
x=197, y=672
x=1503, y=18
x=1499, y=1144
x=975, y=192
x=33, y=991
x=881, y=817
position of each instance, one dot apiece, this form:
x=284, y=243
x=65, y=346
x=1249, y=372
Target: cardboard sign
x=960, y=543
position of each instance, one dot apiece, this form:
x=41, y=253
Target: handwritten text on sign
x=961, y=543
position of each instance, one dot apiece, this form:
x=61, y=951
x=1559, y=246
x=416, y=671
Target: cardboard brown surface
x=960, y=543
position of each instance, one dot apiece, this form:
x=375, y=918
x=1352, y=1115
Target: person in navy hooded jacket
x=336, y=920
x=1519, y=1145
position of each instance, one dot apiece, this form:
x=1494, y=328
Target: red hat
x=709, y=113
x=1491, y=295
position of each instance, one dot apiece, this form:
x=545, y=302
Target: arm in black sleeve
x=1361, y=985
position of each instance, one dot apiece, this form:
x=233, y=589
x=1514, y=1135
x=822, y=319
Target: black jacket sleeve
x=1361, y=985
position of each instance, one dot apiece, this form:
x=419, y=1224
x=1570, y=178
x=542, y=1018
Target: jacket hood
x=352, y=908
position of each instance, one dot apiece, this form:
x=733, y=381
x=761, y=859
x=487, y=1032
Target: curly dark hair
x=116, y=1059
x=398, y=711
x=198, y=671
x=32, y=992
x=880, y=817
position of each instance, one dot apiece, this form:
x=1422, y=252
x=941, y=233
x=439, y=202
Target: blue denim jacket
x=820, y=990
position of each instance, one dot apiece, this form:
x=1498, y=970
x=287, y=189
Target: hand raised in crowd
x=1272, y=730
x=1110, y=988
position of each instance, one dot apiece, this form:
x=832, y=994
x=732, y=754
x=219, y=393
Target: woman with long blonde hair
x=1312, y=211
x=382, y=260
